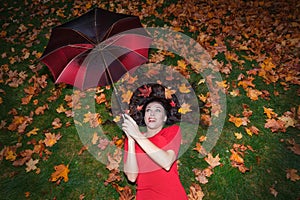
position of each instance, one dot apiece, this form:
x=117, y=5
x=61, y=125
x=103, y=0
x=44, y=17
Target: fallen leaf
x=31, y=165
x=275, y=125
x=238, y=136
x=292, y=174
x=185, y=108
x=269, y=112
x=196, y=192
x=56, y=123
x=32, y=132
x=61, y=172
x=212, y=161
x=51, y=139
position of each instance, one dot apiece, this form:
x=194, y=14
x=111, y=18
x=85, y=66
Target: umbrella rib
x=118, y=38
x=112, y=82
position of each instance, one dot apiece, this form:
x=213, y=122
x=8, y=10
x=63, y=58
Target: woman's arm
x=130, y=164
x=163, y=158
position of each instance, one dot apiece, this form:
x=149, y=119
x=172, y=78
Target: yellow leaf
x=127, y=96
x=267, y=64
x=61, y=171
x=222, y=84
x=11, y=156
x=32, y=132
x=185, y=108
x=238, y=135
x=248, y=131
x=61, y=109
x=184, y=89
x=269, y=112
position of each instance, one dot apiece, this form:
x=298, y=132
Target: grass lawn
x=255, y=48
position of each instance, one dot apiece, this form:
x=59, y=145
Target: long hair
x=153, y=93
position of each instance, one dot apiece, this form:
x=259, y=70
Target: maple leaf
x=169, y=93
x=41, y=109
x=253, y=94
x=269, y=112
x=56, y=123
x=200, y=149
x=61, y=171
x=32, y=132
x=295, y=147
x=101, y=98
x=275, y=125
x=51, y=139
x=145, y=92
x=236, y=120
x=238, y=136
x=103, y=143
x=292, y=174
x=61, y=109
x=196, y=192
x=185, y=108
x=246, y=83
x=113, y=176
x=124, y=192
x=114, y=161
x=212, y=161
x=273, y=191
x=31, y=165
x=206, y=119
x=127, y=96
x=236, y=157
x=184, y=89
x=200, y=176
x=93, y=119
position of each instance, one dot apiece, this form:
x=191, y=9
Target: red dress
x=154, y=182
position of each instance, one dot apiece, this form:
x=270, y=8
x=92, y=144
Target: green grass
x=268, y=163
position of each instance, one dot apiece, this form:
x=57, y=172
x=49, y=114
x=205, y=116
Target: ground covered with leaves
x=255, y=45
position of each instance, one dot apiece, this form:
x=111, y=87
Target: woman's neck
x=152, y=132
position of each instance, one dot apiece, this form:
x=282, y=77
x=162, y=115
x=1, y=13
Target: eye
x=147, y=110
x=158, y=110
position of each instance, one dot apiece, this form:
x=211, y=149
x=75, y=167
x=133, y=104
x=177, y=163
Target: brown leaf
x=275, y=125
x=212, y=161
x=61, y=172
x=196, y=192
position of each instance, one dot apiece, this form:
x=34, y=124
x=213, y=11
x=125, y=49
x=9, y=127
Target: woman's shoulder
x=171, y=129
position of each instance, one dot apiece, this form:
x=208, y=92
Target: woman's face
x=155, y=115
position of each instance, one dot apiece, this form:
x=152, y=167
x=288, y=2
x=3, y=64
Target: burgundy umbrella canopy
x=96, y=49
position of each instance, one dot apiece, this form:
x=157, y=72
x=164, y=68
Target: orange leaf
x=269, y=112
x=61, y=171
x=51, y=139
x=253, y=94
x=236, y=120
x=236, y=157
x=127, y=96
x=246, y=83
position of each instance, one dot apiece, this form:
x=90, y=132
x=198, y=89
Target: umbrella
x=96, y=49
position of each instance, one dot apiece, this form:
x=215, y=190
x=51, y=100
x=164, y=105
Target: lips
x=151, y=120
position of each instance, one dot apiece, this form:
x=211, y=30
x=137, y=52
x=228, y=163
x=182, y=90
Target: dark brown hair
x=153, y=93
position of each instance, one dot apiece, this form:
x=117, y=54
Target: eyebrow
x=157, y=106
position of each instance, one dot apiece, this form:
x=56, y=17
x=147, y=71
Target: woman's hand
x=130, y=127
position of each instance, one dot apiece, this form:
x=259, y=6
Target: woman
x=150, y=157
